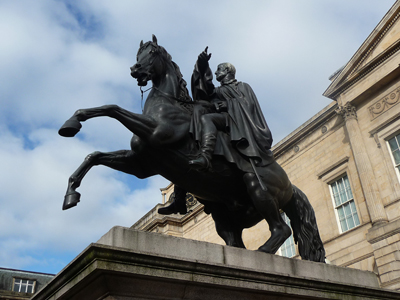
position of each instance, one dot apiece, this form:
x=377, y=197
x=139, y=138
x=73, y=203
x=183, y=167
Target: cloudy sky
x=58, y=56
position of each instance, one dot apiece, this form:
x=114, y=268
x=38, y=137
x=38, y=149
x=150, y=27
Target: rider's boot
x=203, y=160
x=178, y=205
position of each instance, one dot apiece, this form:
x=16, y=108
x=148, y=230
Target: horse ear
x=154, y=39
x=141, y=43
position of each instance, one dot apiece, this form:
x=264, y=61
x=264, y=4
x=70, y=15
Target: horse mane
x=184, y=96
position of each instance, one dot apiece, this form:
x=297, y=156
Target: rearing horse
x=161, y=144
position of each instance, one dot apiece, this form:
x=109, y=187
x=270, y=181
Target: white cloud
x=57, y=57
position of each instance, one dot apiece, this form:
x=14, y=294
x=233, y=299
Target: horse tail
x=304, y=225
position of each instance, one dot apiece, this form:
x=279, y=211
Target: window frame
x=335, y=207
x=29, y=282
x=387, y=139
x=286, y=219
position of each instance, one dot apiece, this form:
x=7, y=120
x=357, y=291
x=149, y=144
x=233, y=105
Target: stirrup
x=201, y=163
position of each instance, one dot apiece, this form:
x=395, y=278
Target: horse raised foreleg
x=72, y=197
x=124, y=160
x=142, y=125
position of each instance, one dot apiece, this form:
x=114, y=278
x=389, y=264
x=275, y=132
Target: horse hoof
x=70, y=128
x=71, y=200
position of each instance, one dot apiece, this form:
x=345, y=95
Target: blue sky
x=58, y=56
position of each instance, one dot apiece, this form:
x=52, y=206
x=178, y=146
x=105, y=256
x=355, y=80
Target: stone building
x=346, y=159
x=18, y=284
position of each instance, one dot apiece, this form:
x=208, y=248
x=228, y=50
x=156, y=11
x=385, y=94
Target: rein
x=171, y=96
x=164, y=93
x=141, y=99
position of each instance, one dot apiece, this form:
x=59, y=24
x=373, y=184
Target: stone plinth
x=127, y=264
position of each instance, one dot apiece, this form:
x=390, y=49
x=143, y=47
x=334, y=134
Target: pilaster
x=366, y=174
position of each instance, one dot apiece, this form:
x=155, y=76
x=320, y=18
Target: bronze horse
x=161, y=144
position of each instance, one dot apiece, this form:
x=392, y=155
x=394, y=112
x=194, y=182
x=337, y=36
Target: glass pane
x=348, y=189
x=340, y=213
x=343, y=224
x=353, y=207
x=349, y=194
x=23, y=287
x=396, y=156
x=393, y=144
x=341, y=191
x=30, y=289
x=356, y=220
x=337, y=200
x=350, y=222
x=16, y=287
x=335, y=192
x=347, y=210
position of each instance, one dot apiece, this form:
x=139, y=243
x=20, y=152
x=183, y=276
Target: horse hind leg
x=268, y=207
x=229, y=230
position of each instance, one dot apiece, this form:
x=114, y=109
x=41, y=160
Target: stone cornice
x=352, y=73
x=304, y=130
x=380, y=59
x=376, y=41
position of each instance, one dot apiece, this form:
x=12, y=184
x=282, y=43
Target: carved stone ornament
x=347, y=111
x=384, y=104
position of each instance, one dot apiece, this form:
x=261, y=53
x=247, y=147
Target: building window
x=288, y=249
x=24, y=285
x=395, y=149
x=345, y=206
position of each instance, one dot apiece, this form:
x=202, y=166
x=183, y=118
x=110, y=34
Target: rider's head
x=225, y=71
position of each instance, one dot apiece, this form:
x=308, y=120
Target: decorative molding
x=333, y=167
x=347, y=111
x=376, y=42
x=384, y=104
x=173, y=220
x=376, y=139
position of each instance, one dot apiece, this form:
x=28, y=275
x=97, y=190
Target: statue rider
x=231, y=108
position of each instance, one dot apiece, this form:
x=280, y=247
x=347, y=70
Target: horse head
x=152, y=61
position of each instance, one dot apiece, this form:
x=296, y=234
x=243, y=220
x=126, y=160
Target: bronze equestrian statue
x=238, y=191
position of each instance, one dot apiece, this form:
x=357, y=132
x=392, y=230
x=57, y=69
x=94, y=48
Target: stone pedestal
x=128, y=264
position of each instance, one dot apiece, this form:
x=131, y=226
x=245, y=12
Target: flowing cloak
x=248, y=135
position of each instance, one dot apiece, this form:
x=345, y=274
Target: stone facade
x=347, y=139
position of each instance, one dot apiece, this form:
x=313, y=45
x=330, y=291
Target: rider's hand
x=203, y=59
x=221, y=106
